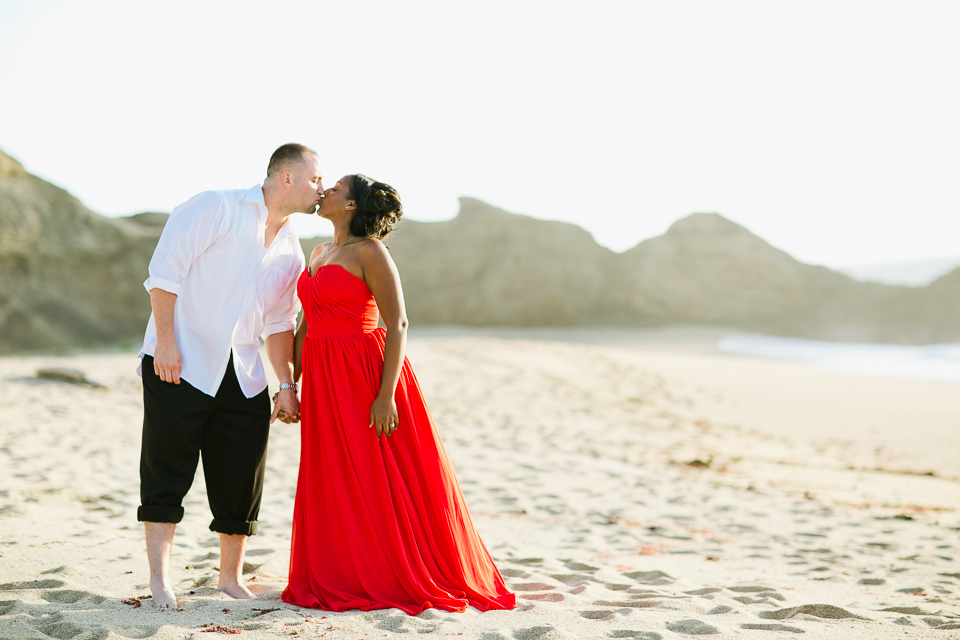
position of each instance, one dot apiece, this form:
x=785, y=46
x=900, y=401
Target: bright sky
x=829, y=128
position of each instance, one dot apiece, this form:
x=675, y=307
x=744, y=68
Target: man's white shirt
x=230, y=289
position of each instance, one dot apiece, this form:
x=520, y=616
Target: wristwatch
x=289, y=385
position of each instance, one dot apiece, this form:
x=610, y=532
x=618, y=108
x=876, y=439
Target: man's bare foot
x=236, y=590
x=163, y=597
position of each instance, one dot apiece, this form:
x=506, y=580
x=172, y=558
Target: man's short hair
x=286, y=157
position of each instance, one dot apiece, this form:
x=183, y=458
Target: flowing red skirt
x=379, y=524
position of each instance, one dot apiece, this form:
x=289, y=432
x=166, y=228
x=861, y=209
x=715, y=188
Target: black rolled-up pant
x=230, y=430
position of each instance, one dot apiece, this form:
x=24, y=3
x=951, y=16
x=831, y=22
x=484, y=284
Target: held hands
x=286, y=407
x=383, y=414
x=167, y=362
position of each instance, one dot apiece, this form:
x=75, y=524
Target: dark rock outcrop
x=70, y=277
x=490, y=267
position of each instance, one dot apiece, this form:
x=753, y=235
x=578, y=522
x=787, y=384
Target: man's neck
x=276, y=212
x=276, y=217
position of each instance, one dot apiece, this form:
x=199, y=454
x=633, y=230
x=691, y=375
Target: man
x=224, y=273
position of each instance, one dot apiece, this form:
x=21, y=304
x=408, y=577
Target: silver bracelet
x=289, y=385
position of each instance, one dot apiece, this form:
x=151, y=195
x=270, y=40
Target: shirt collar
x=255, y=195
x=284, y=231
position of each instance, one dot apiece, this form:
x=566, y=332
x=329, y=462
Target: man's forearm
x=167, y=362
x=163, y=303
x=280, y=352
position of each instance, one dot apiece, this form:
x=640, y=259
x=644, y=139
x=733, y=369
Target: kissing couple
x=379, y=520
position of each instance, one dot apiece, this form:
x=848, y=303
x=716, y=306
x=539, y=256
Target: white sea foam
x=929, y=362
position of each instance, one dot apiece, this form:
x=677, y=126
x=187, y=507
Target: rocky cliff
x=490, y=267
x=70, y=277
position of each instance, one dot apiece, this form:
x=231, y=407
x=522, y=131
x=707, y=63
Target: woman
x=379, y=520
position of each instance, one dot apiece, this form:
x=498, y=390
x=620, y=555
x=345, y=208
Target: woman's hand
x=383, y=414
x=286, y=407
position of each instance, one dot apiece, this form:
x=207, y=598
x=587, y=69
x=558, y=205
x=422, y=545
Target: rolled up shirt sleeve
x=283, y=315
x=190, y=230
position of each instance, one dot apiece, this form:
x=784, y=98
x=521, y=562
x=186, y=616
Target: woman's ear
x=350, y=204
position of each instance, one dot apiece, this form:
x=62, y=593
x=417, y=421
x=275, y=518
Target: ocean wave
x=927, y=362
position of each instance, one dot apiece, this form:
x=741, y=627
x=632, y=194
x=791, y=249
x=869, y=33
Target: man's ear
x=286, y=179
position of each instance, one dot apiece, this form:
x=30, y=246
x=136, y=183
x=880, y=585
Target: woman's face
x=335, y=199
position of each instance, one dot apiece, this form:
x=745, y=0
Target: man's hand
x=286, y=407
x=167, y=362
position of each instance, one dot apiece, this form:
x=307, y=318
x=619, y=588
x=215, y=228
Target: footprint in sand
x=643, y=595
x=825, y=611
x=545, y=597
x=57, y=627
x=540, y=633
x=572, y=579
x=59, y=569
x=692, y=627
x=917, y=591
x=33, y=584
x=650, y=577
x=911, y=611
x=772, y=627
x=68, y=596
x=751, y=589
x=632, y=604
x=396, y=624
x=597, y=615
x=514, y=573
x=718, y=610
x=138, y=632
x=641, y=635
x=532, y=586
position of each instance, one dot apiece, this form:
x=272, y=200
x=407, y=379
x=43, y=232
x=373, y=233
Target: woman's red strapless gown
x=376, y=524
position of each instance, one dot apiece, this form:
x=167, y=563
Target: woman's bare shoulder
x=372, y=248
x=374, y=256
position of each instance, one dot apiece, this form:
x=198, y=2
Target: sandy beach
x=629, y=484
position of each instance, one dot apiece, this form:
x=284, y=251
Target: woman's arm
x=382, y=278
x=298, y=348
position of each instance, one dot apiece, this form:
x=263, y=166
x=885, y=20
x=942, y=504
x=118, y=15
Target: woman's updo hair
x=378, y=207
